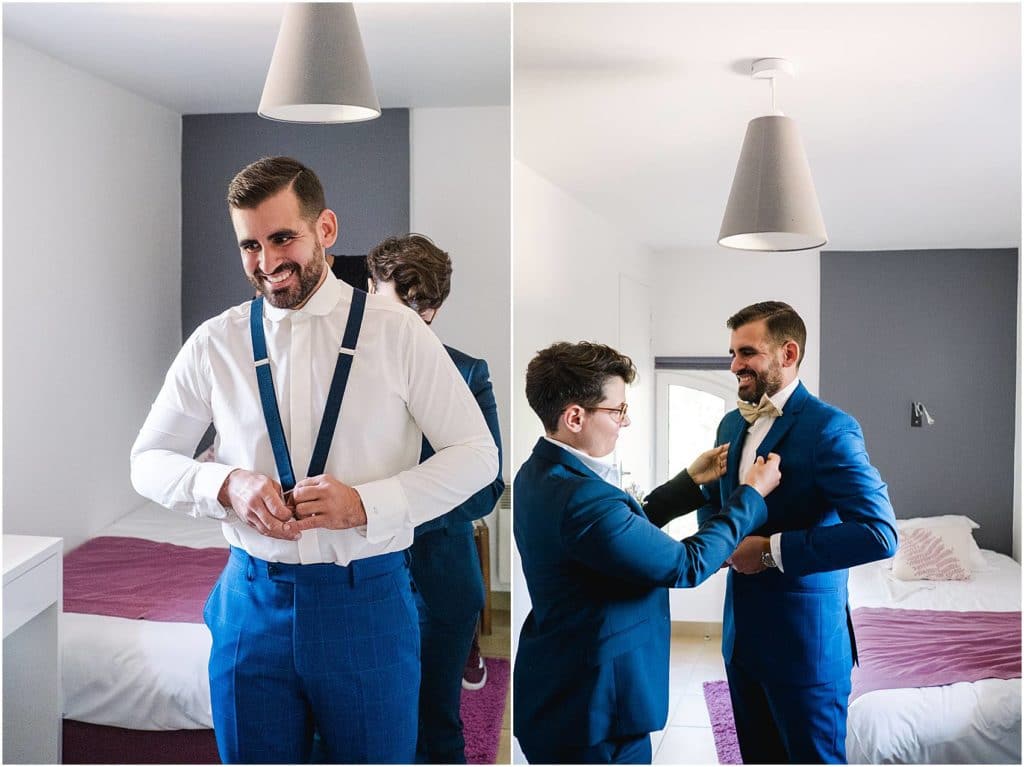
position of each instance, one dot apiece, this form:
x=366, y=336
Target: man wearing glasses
x=591, y=675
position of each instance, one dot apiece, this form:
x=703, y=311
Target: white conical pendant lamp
x=318, y=73
x=772, y=205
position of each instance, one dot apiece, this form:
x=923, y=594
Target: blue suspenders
x=268, y=398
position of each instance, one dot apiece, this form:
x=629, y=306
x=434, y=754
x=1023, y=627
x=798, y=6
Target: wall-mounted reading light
x=918, y=412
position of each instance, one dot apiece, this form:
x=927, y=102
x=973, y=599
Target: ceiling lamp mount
x=318, y=73
x=772, y=206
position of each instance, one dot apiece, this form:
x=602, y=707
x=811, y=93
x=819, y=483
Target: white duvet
x=143, y=675
x=963, y=723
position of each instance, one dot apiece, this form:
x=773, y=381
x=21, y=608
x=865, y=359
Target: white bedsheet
x=143, y=675
x=962, y=723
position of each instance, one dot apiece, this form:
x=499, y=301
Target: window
x=693, y=393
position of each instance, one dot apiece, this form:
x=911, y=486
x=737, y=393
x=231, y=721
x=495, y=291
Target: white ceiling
x=910, y=114
x=201, y=58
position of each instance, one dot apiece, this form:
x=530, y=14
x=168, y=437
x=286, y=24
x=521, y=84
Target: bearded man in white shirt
x=313, y=619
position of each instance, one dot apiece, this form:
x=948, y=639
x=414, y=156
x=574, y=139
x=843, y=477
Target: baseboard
x=501, y=600
x=697, y=629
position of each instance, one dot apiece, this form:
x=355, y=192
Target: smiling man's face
x=756, y=362
x=282, y=252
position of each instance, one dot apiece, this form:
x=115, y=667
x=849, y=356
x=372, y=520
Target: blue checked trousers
x=298, y=648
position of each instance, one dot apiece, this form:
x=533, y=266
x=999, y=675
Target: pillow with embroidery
x=976, y=559
x=935, y=553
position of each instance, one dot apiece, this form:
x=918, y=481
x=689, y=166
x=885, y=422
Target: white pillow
x=945, y=520
x=934, y=553
x=975, y=558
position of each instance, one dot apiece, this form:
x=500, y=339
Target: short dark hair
x=420, y=271
x=261, y=180
x=567, y=374
x=781, y=321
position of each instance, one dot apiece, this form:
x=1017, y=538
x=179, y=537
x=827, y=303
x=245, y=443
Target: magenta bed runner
x=930, y=648
x=136, y=578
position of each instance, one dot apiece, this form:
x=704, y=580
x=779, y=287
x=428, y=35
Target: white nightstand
x=33, y=602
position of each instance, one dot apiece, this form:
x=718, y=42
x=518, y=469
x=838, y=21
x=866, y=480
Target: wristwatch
x=767, y=560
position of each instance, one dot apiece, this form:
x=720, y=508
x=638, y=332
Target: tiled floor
x=687, y=738
x=498, y=644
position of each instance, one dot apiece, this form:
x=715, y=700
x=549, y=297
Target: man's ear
x=572, y=418
x=790, y=354
x=327, y=228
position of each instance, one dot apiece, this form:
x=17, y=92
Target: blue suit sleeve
x=713, y=506
x=712, y=490
x=848, y=482
x=481, y=503
x=677, y=497
x=604, y=533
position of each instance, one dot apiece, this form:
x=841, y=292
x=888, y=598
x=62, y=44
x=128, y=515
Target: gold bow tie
x=763, y=408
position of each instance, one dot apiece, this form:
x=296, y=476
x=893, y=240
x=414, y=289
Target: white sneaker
x=474, y=678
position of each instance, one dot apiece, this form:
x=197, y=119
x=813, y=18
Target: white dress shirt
x=402, y=385
x=756, y=433
x=605, y=467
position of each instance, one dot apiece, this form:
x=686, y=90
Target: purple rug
x=716, y=695
x=482, y=711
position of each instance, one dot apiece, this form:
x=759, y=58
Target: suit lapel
x=785, y=422
x=733, y=463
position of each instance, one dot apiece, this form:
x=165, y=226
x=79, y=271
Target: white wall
x=698, y=290
x=460, y=198
x=91, y=289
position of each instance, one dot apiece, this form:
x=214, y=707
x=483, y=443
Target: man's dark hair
x=567, y=374
x=420, y=271
x=781, y=321
x=261, y=180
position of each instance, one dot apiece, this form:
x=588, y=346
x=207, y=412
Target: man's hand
x=747, y=557
x=709, y=465
x=764, y=476
x=257, y=501
x=323, y=501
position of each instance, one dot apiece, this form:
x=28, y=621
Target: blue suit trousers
x=450, y=595
x=298, y=648
x=789, y=724
x=634, y=749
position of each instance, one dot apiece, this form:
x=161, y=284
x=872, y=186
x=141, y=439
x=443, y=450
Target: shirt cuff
x=776, y=544
x=387, y=509
x=209, y=480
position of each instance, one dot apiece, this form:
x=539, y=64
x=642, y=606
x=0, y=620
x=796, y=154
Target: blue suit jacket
x=481, y=503
x=833, y=511
x=593, y=654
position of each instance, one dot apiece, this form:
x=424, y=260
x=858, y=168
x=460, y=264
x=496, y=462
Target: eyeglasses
x=618, y=413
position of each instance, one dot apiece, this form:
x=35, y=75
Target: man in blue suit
x=591, y=675
x=445, y=567
x=787, y=637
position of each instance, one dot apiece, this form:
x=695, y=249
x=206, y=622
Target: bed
x=136, y=691
x=961, y=723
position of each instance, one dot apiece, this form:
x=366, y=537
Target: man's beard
x=767, y=382
x=290, y=297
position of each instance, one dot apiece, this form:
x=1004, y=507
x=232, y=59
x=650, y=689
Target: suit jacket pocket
x=608, y=647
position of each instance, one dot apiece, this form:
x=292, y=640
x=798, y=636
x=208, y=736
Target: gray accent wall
x=364, y=168
x=938, y=327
